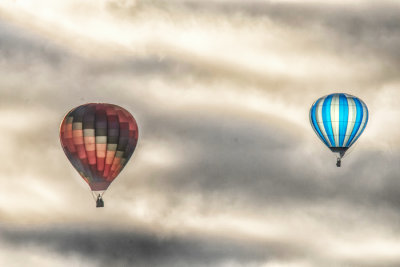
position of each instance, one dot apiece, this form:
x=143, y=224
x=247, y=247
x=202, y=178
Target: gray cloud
x=220, y=149
x=226, y=165
x=121, y=248
x=344, y=33
x=23, y=48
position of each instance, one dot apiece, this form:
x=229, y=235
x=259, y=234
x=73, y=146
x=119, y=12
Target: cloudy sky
x=228, y=171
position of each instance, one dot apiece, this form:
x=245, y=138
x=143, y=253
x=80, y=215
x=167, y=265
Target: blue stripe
x=315, y=124
x=343, y=117
x=359, y=111
x=366, y=121
x=326, y=118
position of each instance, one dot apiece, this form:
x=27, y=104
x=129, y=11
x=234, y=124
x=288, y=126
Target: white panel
x=335, y=118
x=119, y=154
x=310, y=118
x=77, y=126
x=318, y=116
x=101, y=139
x=364, y=119
x=111, y=147
x=88, y=132
x=351, y=120
x=312, y=124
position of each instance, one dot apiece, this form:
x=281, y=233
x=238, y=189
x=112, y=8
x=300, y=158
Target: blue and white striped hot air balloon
x=339, y=120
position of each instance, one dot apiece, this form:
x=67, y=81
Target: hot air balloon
x=98, y=140
x=339, y=120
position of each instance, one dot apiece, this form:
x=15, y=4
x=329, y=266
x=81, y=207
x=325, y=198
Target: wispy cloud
x=228, y=171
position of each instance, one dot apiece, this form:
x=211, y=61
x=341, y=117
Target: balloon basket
x=98, y=197
x=99, y=202
x=338, y=162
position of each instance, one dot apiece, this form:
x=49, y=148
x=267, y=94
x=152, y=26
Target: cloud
x=120, y=248
x=227, y=171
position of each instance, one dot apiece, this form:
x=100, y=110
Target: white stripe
x=335, y=118
x=312, y=124
x=362, y=123
x=351, y=120
x=318, y=117
x=311, y=121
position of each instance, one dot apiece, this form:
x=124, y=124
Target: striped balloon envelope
x=98, y=140
x=339, y=120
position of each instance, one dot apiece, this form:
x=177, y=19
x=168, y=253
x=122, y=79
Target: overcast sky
x=227, y=171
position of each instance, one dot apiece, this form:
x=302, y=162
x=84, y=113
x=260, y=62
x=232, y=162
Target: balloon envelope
x=98, y=139
x=339, y=120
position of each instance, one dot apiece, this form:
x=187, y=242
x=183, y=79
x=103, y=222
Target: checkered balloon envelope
x=98, y=139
